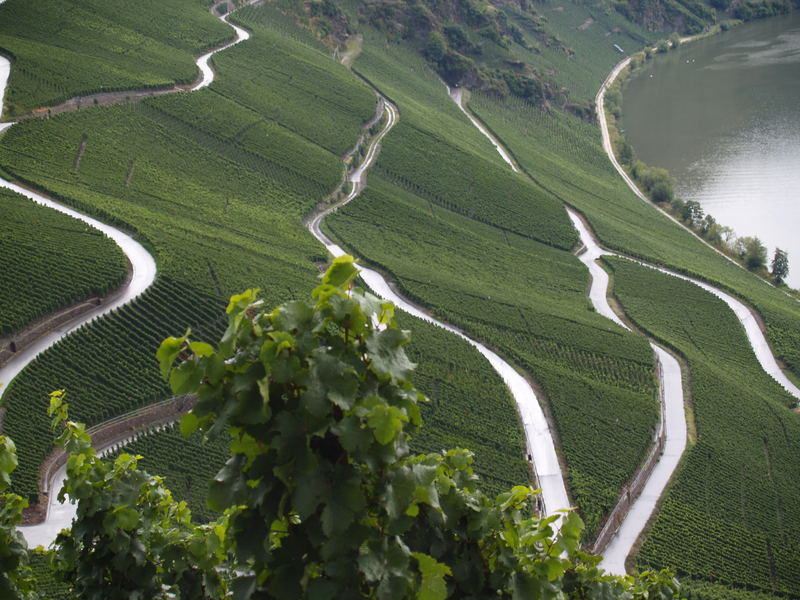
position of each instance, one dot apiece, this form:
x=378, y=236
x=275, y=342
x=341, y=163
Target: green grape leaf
x=433, y=586
x=341, y=272
x=386, y=422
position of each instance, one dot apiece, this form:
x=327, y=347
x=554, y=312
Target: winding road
x=143, y=274
x=539, y=438
x=673, y=421
x=744, y=313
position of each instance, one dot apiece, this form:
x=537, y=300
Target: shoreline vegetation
x=658, y=184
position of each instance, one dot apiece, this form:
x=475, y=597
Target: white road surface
x=673, y=410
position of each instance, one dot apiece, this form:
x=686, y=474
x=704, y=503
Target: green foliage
x=15, y=578
x=752, y=251
x=324, y=497
x=726, y=516
x=188, y=464
x=129, y=538
x=66, y=48
x=747, y=11
x=80, y=262
x=656, y=182
x=780, y=265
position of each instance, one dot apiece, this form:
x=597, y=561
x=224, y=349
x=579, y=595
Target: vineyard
x=597, y=379
x=219, y=215
x=165, y=156
x=564, y=155
x=66, y=48
x=79, y=261
x=729, y=515
x=216, y=183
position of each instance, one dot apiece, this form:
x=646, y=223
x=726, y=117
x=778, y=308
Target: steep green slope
x=64, y=48
x=219, y=215
x=49, y=260
x=216, y=183
x=488, y=251
x=729, y=515
x=564, y=155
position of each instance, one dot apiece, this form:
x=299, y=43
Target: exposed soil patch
x=76, y=164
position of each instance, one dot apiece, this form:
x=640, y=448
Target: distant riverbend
x=723, y=116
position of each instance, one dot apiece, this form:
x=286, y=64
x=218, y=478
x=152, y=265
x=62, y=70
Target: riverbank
x=714, y=202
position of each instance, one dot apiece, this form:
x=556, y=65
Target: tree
x=692, y=213
x=707, y=227
x=780, y=265
x=752, y=252
x=661, y=192
x=436, y=46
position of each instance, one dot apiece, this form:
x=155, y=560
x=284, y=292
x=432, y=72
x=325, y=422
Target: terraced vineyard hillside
x=740, y=478
x=217, y=183
x=450, y=223
x=62, y=49
x=236, y=184
x=565, y=156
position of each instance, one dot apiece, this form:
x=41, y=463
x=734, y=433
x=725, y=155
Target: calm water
x=723, y=116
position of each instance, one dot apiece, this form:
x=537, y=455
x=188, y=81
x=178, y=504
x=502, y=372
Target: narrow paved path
x=143, y=269
x=538, y=436
x=673, y=417
x=673, y=412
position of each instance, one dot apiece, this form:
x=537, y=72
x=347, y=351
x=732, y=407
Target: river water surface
x=723, y=116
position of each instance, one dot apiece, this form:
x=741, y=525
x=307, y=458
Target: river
x=723, y=116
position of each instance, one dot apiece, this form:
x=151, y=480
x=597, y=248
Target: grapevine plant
x=321, y=496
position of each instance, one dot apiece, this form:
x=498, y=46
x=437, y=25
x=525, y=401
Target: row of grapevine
x=79, y=262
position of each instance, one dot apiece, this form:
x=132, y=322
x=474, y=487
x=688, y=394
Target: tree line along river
x=723, y=116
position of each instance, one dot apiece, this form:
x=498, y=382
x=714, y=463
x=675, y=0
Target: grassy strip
x=79, y=262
